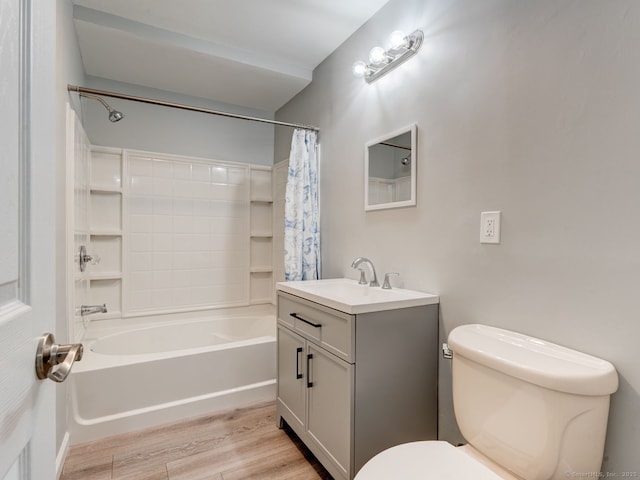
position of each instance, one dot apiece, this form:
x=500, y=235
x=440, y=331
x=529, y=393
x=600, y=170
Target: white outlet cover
x=490, y=227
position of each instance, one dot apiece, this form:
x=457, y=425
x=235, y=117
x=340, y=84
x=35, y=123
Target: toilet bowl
x=528, y=408
x=431, y=459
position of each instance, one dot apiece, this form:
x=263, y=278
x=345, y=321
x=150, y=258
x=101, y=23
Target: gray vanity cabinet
x=292, y=389
x=352, y=385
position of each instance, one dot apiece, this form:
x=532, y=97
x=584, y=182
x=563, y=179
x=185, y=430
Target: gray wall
x=168, y=130
x=531, y=108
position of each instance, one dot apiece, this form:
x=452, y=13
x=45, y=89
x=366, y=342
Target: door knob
x=50, y=354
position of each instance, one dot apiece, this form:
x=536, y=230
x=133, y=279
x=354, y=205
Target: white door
x=27, y=235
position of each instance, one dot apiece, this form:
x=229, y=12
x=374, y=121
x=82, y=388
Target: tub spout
x=89, y=309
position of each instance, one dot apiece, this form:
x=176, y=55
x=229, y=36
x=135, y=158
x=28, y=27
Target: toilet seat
x=437, y=460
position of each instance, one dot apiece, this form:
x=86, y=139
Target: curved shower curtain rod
x=133, y=98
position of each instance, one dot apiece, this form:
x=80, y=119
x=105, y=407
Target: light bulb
x=377, y=55
x=359, y=69
x=398, y=40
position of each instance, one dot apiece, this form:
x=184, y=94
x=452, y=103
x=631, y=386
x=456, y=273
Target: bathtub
x=139, y=373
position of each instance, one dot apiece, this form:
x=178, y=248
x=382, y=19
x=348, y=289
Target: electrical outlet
x=490, y=227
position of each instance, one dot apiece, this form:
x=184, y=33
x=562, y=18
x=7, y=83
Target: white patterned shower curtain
x=302, y=209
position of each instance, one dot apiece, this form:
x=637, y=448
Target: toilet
x=529, y=409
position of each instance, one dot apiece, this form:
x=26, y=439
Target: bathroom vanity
x=357, y=369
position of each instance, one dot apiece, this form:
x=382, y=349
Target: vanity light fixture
x=382, y=61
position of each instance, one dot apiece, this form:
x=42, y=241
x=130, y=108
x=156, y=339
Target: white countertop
x=348, y=296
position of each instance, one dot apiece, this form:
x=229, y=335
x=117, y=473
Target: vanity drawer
x=331, y=329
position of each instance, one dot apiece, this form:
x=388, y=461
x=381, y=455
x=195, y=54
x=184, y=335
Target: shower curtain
x=301, y=210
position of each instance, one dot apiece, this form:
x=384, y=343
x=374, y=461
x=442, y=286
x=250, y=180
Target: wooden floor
x=240, y=444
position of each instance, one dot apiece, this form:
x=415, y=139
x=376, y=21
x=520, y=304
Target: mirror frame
x=412, y=202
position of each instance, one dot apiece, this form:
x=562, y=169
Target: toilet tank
x=536, y=408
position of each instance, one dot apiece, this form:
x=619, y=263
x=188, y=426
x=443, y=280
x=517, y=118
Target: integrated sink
x=348, y=296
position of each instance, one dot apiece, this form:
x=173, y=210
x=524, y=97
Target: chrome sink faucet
x=356, y=263
x=386, y=285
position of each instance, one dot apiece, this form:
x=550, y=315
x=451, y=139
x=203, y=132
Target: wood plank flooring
x=240, y=444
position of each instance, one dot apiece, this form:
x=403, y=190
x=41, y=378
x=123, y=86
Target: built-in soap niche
x=106, y=216
x=261, y=282
x=108, y=248
x=106, y=169
x=106, y=232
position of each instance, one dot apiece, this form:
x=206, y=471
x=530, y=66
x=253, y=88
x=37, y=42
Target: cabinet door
x=329, y=418
x=291, y=374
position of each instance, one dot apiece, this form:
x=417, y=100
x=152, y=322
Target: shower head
x=114, y=115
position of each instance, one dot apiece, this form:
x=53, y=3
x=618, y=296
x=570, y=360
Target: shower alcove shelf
x=105, y=222
x=113, y=173
x=261, y=233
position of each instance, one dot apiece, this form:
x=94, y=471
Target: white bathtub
x=138, y=373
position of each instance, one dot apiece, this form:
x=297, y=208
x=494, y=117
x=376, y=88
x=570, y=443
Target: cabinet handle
x=309, y=382
x=298, y=352
x=298, y=317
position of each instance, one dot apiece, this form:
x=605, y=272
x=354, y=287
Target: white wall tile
x=188, y=244
x=183, y=224
x=181, y=278
x=182, y=206
x=141, y=185
x=141, y=280
x=139, y=205
x=182, y=171
x=162, y=242
x=141, y=223
x=162, y=224
x=162, y=261
x=161, y=298
x=201, y=278
x=140, y=242
x=162, y=187
x=201, y=295
x=218, y=174
x=200, y=173
x=140, y=261
x=161, y=279
x=140, y=166
x=201, y=225
x=137, y=300
x=163, y=206
x=183, y=188
x=162, y=169
x=182, y=297
x=238, y=176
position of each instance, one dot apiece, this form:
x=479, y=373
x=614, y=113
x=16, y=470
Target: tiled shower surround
x=178, y=233
x=187, y=230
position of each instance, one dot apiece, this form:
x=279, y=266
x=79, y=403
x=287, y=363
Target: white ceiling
x=253, y=53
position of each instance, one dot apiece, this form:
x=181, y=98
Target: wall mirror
x=390, y=170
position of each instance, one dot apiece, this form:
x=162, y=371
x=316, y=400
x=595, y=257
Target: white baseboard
x=62, y=455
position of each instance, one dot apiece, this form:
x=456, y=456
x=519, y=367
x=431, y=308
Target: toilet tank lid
x=533, y=360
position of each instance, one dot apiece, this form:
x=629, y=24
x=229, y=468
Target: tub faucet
x=356, y=263
x=89, y=309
